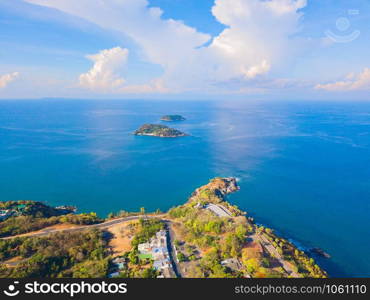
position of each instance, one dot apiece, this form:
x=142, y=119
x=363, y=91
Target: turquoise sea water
x=303, y=167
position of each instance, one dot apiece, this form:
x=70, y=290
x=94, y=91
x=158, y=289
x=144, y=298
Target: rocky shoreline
x=259, y=253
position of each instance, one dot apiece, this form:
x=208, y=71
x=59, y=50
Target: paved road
x=171, y=237
x=219, y=210
x=103, y=225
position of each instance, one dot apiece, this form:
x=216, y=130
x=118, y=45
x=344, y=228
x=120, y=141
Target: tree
x=252, y=265
x=133, y=257
x=181, y=257
x=149, y=273
x=240, y=232
x=232, y=245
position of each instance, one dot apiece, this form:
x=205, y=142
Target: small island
x=159, y=131
x=172, y=118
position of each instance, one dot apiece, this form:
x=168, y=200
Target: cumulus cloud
x=353, y=82
x=257, y=38
x=258, y=34
x=105, y=73
x=7, y=78
x=152, y=87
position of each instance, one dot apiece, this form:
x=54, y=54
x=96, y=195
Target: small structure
x=119, y=263
x=21, y=207
x=232, y=263
x=66, y=209
x=144, y=248
x=114, y=274
x=5, y=213
x=198, y=205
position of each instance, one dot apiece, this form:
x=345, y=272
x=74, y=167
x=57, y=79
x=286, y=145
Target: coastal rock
x=320, y=252
x=216, y=189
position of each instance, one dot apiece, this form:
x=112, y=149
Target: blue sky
x=185, y=49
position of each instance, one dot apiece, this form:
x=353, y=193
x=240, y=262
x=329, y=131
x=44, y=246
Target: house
x=161, y=264
x=119, y=262
x=157, y=249
x=5, y=213
x=159, y=253
x=21, y=207
x=144, y=248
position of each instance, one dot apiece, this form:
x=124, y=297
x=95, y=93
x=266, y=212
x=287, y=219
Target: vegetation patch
x=28, y=223
x=62, y=255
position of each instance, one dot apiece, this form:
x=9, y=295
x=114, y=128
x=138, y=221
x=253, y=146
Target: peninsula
x=206, y=237
x=172, y=118
x=159, y=131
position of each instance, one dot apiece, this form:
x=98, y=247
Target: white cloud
x=352, y=82
x=258, y=34
x=7, y=78
x=257, y=38
x=105, y=73
x=154, y=86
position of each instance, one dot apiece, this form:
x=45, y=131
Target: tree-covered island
x=159, y=131
x=172, y=118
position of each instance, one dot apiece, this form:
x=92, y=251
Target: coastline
x=208, y=207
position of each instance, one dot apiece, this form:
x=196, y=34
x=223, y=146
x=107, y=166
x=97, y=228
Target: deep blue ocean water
x=303, y=167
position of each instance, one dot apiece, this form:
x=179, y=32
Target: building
x=114, y=274
x=232, y=263
x=157, y=249
x=5, y=213
x=159, y=253
x=119, y=263
x=144, y=248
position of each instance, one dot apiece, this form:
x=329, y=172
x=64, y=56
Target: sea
x=303, y=166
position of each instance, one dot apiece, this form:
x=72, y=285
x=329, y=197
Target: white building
x=157, y=247
x=145, y=248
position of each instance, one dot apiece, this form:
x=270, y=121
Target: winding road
x=104, y=225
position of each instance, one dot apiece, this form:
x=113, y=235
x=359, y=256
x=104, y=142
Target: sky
x=180, y=49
